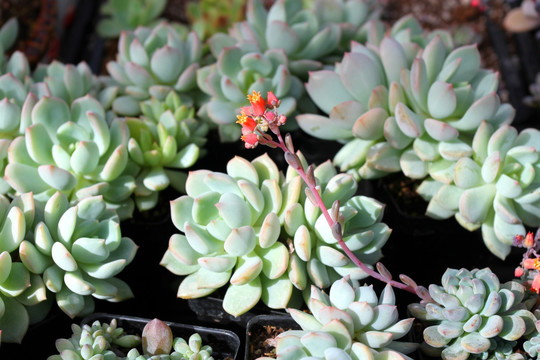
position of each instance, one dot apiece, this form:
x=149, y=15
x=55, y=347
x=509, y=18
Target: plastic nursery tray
x=225, y=344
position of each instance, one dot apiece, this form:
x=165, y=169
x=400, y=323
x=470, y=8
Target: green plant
x=473, y=315
x=238, y=72
x=151, y=62
x=128, y=15
x=68, y=82
x=351, y=322
x=71, y=149
x=8, y=35
x=496, y=189
x=255, y=228
x=56, y=251
x=208, y=17
x=104, y=341
x=165, y=138
x=307, y=34
x=411, y=104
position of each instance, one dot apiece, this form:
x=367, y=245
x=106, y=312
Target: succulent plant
x=352, y=16
x=473, y=315
x=306, y=35
x=104, y=341
x=78, y=250
x=208, y=17
x=254, y=228
x=238, y=72
x=21, y=290
x=8, y=35
x=95, y=340
x=73, y=150
x=405, y=104
x=152, y=62
x=166, y=138
x=128, y=15
x=348, y=323
x=68, y=82
x=497, y=189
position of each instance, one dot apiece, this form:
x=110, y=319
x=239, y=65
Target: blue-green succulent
x=350, y=323
x=472, y=315
x=254, y=229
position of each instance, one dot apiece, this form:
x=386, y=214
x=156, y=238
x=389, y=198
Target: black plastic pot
x=210, y=310
x=225, y=344
x=271, y=324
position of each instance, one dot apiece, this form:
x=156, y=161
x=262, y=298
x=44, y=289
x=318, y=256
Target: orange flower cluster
x=260, y=116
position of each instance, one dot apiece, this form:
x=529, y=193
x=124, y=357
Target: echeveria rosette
x=163, y=140
x=254, y=228
x=286, y=26
x=73, y=150
x=152, y=62
x=397, y=112
x=20, y=289
x=497, y=189
x=69, y=82
x=128, y=15
x=350, y=322
x=238, y=72
x=473, y=315
x=355, y=19
x=78, y=250
x=94, y=341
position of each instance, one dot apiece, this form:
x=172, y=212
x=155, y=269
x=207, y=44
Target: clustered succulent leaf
x=496, y=189
x=94, y=340
x=73, y=150
x=350, y=322
x=8, y=35
x=208, y=17
x=166, y=138
x=307, y=34
x=238, y=72
x=254, y=228
x=407, y=106
x=104, y=341
x=128, y=15
x=150, y=63
x=56, y=251
x=473, y=315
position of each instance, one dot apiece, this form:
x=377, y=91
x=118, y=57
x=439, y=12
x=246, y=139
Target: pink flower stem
x=331, y=222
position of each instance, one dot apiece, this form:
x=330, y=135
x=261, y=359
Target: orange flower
x=257, y=103
x=246, y=122
x=536, y=284
x=251, y=140
x=532, y=264
x=272, y=99
x=529, y=240
x=518, y=272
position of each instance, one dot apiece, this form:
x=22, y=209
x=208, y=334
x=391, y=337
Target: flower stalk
x=262, y=116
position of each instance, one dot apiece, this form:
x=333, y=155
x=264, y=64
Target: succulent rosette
x=307, y=33
x=78, y=250
x=350, y=322
x=254, y=228
x=237, y=72
x=165, y=139
x=23, y=298
x=55, y=250
x=150, y=63
x=68, y=82
x=496, y=189
x=407, y=104
x=472, y=315
x=73, y=150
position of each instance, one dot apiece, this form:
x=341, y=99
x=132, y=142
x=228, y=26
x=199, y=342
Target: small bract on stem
x=262, y=116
